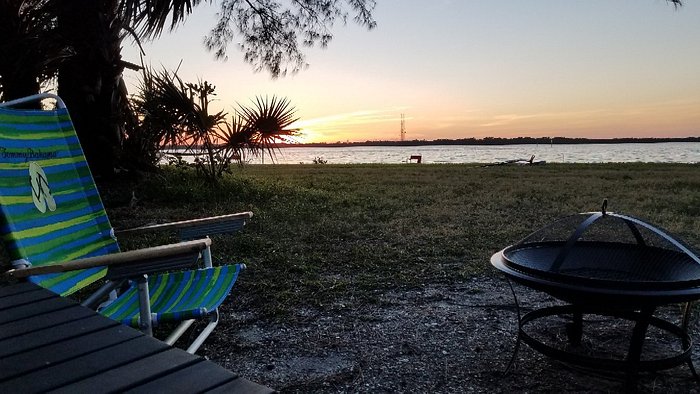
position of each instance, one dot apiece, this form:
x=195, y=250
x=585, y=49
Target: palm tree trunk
x=19, y=84
x=89, y=81
x=29, y=52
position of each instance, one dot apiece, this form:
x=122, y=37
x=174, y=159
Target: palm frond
x=31, y=50
x=151, y=17
x=269, y=121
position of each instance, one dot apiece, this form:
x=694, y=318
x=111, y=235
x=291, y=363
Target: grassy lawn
x=323, y=233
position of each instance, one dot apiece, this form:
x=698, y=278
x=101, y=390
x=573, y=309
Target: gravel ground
x=438, y=339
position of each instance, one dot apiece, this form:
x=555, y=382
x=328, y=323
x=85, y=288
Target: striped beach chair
x=58, y=235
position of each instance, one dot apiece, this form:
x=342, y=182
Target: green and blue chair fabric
x=52, y=213
x=177, y=296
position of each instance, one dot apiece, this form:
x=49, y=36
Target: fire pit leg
x=520, y=330
x=574, y=330
x=693, y=371
x=685, y=322
x=636, y=343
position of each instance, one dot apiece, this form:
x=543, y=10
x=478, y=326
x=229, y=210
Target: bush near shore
x=321, y=232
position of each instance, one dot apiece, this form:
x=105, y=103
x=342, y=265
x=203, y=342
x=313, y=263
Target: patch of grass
x=324, y=233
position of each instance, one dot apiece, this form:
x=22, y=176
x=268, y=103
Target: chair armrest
x=130, y=258
x=36, y=97
x=197, y=227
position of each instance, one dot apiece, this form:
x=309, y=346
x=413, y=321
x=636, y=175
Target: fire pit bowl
x=600, y=257
x=607, y=264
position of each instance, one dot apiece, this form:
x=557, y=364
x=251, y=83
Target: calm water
x=671, y=152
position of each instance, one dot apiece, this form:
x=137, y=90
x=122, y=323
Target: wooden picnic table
x=50, y=343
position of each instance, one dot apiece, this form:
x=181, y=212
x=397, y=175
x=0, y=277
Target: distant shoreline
x=480, y=142
x=494, y=141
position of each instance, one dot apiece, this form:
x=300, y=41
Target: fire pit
x=607, y=264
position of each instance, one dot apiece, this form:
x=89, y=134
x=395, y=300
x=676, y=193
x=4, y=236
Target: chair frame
x=145, y=261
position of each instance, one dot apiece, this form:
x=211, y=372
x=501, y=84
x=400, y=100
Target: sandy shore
x=440, y=338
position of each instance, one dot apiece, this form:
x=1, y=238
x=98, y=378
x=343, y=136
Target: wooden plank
x=195, y=378
x=134, y=373
x=87, y=366
x=40, y=322
x=22, y=298
x=241, y=385
x=64, y=351
x=68, y=330
x=17, y=288
x=49, y=305
x=55, y=344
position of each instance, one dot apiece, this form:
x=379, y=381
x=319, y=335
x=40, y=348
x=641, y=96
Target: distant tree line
x=501, y=141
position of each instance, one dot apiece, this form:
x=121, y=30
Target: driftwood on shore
x=530, y=161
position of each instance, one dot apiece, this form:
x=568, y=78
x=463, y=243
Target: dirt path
x=456, y=338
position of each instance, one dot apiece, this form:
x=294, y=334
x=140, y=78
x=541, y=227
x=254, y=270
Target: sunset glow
x=462, y=69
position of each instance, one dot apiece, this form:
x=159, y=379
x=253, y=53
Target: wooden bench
x=51, y=343
x=417, y=158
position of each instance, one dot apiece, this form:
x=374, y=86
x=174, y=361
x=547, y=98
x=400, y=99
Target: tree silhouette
x=82, y=40
x=270, y=33
x=91, y=83
x=30, y=51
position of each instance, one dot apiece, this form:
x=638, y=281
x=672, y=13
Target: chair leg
x=206, y=256
x=178, y=331
x=213, y=321
x=145, y=324
x=93, y=302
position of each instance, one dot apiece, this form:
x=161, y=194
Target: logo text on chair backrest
x=41, y=193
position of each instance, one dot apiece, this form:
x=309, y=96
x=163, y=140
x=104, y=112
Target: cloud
x=351, y=119
x=506, y=119
x=501, y=120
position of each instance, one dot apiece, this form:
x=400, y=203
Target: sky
x=473, y=68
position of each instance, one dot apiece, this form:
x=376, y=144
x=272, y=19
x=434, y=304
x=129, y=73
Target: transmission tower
x=403, y=127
